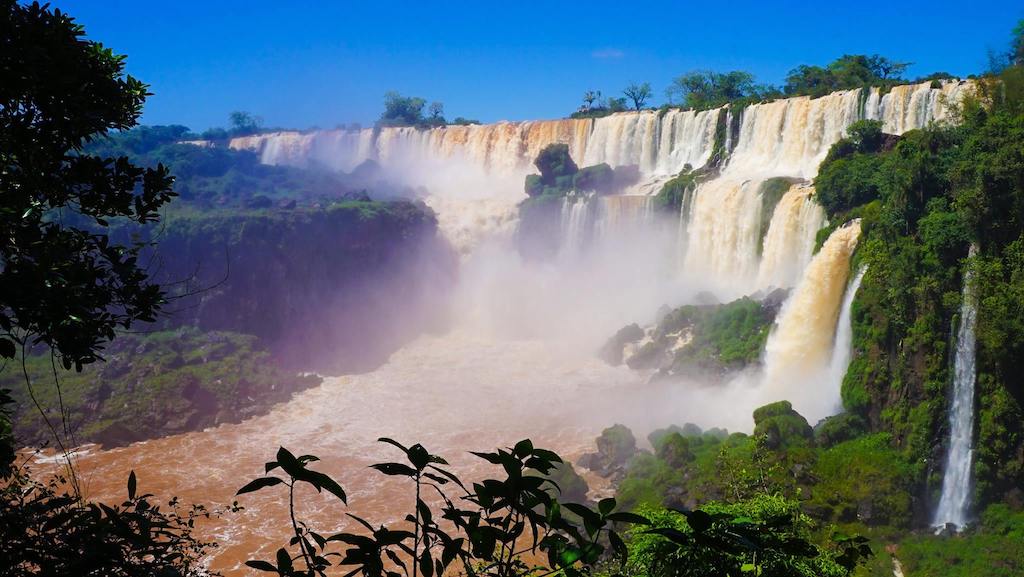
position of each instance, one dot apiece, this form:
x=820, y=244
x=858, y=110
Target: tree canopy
x=66, y=285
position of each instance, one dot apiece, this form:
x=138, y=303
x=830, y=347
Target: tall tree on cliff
x=63, y=284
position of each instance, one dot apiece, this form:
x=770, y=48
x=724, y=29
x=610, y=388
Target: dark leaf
x=257, y=484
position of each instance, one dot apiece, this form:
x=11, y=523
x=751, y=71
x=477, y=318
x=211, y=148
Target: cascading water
x=789, y=242
x=954, y=504
x=842, y=346
x=723, y=235
x=798, y=351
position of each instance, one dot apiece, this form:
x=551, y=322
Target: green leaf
x=289, y=463
x=262, y=566
x=606, y=506
x=395, y=469
x=7, y=349
x=626, y=517
x=260, y=483
x=393, y=442
x=523, y=448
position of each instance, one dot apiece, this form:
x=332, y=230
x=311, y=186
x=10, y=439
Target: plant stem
x=295, y=527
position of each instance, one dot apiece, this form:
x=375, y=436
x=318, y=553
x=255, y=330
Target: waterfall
x=575, y=221
x=622, y=214
x=789, y=242
x=842, y=345
x=799, y=349
x=485, y=164
x=723, y=234
x=956, y=483
x=912, y=106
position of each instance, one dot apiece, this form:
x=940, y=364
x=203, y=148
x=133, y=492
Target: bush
x=781, y=426
x=599, y=178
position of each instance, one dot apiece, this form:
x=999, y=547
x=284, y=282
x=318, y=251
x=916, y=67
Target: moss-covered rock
x=710, y=340
x=781, y=426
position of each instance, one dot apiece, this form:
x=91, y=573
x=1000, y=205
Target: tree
x=810, y=80
x=709, y=89
x=401, y=110
x=66, y=285
x=590, y=97
x=886, y=69
x=436, y=111
x=616, y=105
x=638, y=93
x=243, y=123
x=1017, y=44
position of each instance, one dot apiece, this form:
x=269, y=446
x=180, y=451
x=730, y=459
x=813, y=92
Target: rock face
x=710, y=340
x=334, y=289
x=615, y=447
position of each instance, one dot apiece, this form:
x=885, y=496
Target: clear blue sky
x=299, y=64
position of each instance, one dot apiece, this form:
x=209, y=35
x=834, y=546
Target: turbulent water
x=519, y=361
x=954, y=504
x=798, y=352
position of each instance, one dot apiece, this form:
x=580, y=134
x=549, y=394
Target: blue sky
x=301, y=64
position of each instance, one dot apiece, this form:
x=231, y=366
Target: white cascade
x=954, y=504
x=723, y=235
x=789, y=242
x=575, y=223
x=799, y=349
x=842, y=344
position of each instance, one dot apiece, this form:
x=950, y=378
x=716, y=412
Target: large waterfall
x=518, y=360
x=954, y=504
x=738, y=232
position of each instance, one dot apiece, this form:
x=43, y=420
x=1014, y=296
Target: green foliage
x=846, y=72
x=599, y=178
x=208, y=177
x=993, y=549
x=781, y=426
x=720, y=338
x=152, y=385
x=638, y=94
x=554, y=162
x=677, y=192
x=863, y=480
x=838, y=429
x=45, y=531
x=703, y=89
x=766, y=535
x=501, y=522
x=244, y=123
x=617, y=444
x=68, y=287
x=401, y=110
